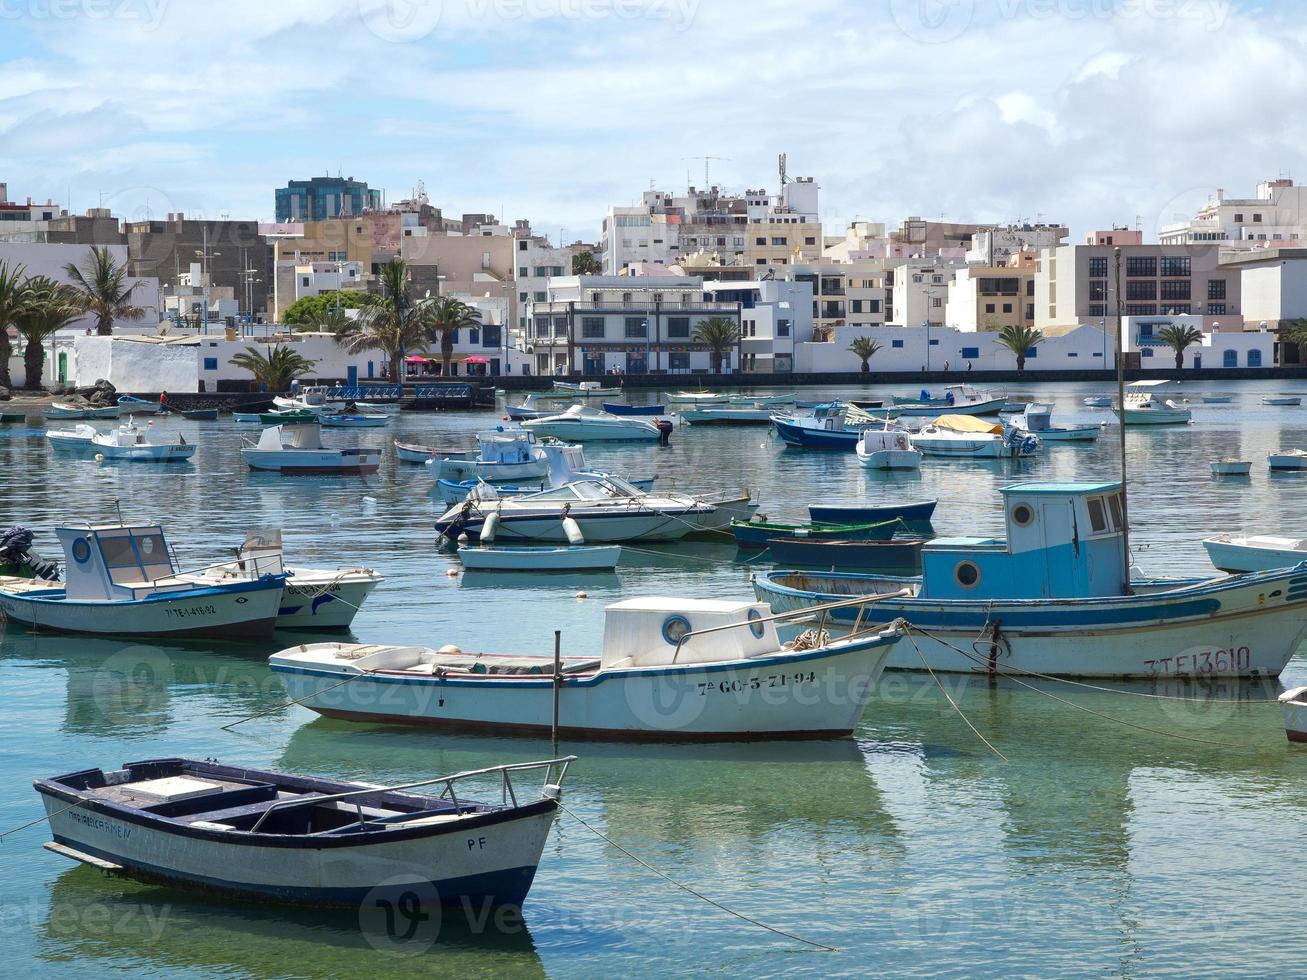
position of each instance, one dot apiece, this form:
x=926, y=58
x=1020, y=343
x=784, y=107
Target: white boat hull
x=540, y=559
x=1156, y=416
x=313, y=462
x=991, y=447
x=167, y=453
x=573, y=431
x=891, y=459
x=459, y=470
x=1293, y=704
x=1287, y=461
x=607, y=528
x=1259, y=553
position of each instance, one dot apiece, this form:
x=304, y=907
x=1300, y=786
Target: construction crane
x=706, y=161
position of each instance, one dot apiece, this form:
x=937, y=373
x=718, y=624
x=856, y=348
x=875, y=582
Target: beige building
x=991, y=297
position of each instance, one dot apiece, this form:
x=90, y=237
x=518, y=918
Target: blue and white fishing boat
x=129, y=443
x=958, y=399
x=1037, y=419
x=913, y=513
x=121, y=580
x=297, y=450
x=74, y=440
x=1145, y=407
x=138, y=406
x=567, y=463
x=668, y=669
x=1054, y=598
x=355, y=421
x=271, y=836
x=506, y=455
x=828, y=427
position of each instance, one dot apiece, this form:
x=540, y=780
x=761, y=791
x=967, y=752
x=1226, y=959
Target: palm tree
x=1020, y=339
x=441, y=318
x=47, y=307
x=864, y=348
x=12, y=288
x=585, y=264
x=391, y=324
x=1178, y=337
x=719, y=333
x=101, y=283
x=331, y=320
x=1289, y=332
x=276, y=369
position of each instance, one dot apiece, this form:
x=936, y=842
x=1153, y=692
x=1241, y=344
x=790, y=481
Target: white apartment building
x=1277, y=213
x=918, y=290
x=296, y=280
x=1273, y=284
x=995, y=246
x=775, y=316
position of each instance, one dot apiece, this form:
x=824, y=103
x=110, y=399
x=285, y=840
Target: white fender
x=573, y=531
x=489, y=527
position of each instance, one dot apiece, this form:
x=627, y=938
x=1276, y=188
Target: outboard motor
x=664, y=432
x=16, y=557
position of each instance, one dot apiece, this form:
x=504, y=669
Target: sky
x=1092, y=113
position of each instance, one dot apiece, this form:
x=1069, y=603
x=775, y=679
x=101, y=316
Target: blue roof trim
x=1036, y=486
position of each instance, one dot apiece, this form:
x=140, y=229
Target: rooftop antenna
x=706, y=161
x=781, y=166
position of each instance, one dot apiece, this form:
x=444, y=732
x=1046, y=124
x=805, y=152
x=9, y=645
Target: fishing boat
x=727, y=415
x=412, y=452
x=135, y=445
x=958, y=399
x=1098, y=401
x=585, y=558
x=306, y=841
x=12, y=418
x=969, y=437
x=138, y=406
x=77, y=439
x=1143, y=407
x=198, y=414
x=1231, y=467
x=1254, y=552
x=503, y=456
x=1282, y=400
x=1293, y=705
x=288, y=417
x=893, y=557
x=1054, y=597
x=63, y=410
x=617, y=408
x=566, y=463
x=1287, y=459
x=297, y=450
x=759, y=534
x=887, y=449
x=580, y=423
x=668, y=669
x=785, y=398
x=1217, y=399
x=313, y=598
x=592, y=509
x=582, y=389
x=913, y=514
x=828, y=427
x=355, y=421
x=1037, y=419
x=122, y=580
x=698, y=398
x=247, y=418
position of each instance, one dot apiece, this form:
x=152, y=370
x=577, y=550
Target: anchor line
x=41, y=819
x=908, y=629
x=684, y=887
x=291, y=704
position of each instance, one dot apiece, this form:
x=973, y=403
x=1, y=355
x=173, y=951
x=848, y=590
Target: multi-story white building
x=1277, y=213
x=995, y=246
x=919, y=290
x=775, y=316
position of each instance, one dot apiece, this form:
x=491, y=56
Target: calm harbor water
x=1124, y=834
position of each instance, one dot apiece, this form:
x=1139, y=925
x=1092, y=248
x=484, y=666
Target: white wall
x=1081, y=349
x=134, y=366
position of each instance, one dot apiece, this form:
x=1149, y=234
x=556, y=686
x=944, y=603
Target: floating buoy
x=463, y=538
x=99, y=457
x=571, y=529
x=489, y=527
x=450, y=648
x=580, y=595
x=451, y=573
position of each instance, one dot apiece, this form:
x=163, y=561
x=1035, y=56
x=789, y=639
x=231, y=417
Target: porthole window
x=81, y=551
x=755, y=624
x=967, y=573
x=674, y=628
x=1023, y=515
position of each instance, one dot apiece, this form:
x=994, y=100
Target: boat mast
x=1120, y=401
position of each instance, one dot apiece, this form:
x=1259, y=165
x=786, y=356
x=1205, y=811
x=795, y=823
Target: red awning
x=414, y=359
x=474, y=359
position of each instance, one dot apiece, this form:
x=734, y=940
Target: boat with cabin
x=504, y=455
x=887, y=449
x=968, y=437
x=1143, y=406
x=581, y=389
x=122, y=580
x=1054, y=597
x=1037, y=419
x=1287, y=459
x=581, y=423
x=267, y=836
x=297, y=450
x=958, y=399
x=132, y=444
x=668, y=669
x=832, y=425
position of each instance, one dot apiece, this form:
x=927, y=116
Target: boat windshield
x=605, y=489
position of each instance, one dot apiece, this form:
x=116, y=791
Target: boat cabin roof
x=1062, y=489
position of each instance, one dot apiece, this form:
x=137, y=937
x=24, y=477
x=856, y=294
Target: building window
x=1141, y=289
x=210, y=364
x=760, y=241
x=779, y=240
x=637, y=327
x=1238, y=218
x=1175, y=265
x=1098, y=267
x=1174, y=288
x=970, y=353
x=989, y=307
x=1216, y=309
x=1216, y=289
x=678, y=326
x=935, y=343
x=1007, y=307
x=678, y=361
x=539, y=295
x=542, y=327
x=937, y=301
x=1141, y=309
x=1230, y=359
x=473, y=336
x=896, y=343
x=522, y=297
x=873, y=306
x=521, y=246
x=1141, y=265
x=1257, y=219
x=782, y=328
x=560, y=326
x=1098, y=291
x=592, y=327
x=521, y=272
x=1254, y=356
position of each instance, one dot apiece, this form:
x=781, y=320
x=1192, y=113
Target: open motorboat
x=1282, y=400
x=1143, y=407
x=356, y=421
x=70, y=412
x=668, y=669
x=958, y=399
x=133, y=444
x=527, y=410
x=566, y=463
x=784, y=398
x=121, y=580
x=1254, y=552
x=1054, y=598
x=505, y=455
x=1037, y=419
x=1098, y=401
x=698, y=398
x=1287, y=459
x=412, y=452
x=969, y=437
x=583, y=558
x=1231, y=467
x=887, y=449
x=580, y=423
x=313, y=598
x=603, y=509
x=619, y=408
x=582, y=389
x=306, y=841
x=728, y=415
x=138, y=406
x=77, y=439
x=758, y=534
x=297, y=450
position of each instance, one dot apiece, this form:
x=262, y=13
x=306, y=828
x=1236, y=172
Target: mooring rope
x=908, y=628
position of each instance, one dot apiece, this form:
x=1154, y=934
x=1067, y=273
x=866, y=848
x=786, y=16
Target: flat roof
x=1037, y=486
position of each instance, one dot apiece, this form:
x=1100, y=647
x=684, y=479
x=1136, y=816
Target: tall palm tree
x=13, y=285
x=391, y=324
x=1178, y=338
x=48, y=306
x=103, y=291
x=277, y=368
x=1289, y=332
x=719, y=334
x=441, y=318
x=1020, y=339
x=864, y=348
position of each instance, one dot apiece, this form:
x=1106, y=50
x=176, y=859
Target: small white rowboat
x=578, y=559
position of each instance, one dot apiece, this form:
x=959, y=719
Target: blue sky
x=1090, y=112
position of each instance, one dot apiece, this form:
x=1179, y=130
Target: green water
x=1118, y=833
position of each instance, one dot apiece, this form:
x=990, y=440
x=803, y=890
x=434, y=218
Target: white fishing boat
x=411, y=452
x=138, y=406
x=1098, y=401
x=580, y=423
x=727, y=506
x=596, y=509
x=272, y=837
x=355, y=421
x=957, y=400
x=583, y=558
x=888, y=449
x=1037, y=419
x=136, y=445
x=698, y=398
x=1231, y=467
x=313, y=598
x=1217, y=399
x=582, y=389
x=1053, y=597
x=727, y=415
x=247, y=418
x=121, y=580
x=1287, y=459
x=1293, y=705
x=297, y=450
x=968, y=437
x=504, y=455
x=64, y=410
x=1144, y=407
x=784, y=398
x=668, y=669
x=1254, y=552
x=567, y=463
x=77, y=439
x=1282, y=400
